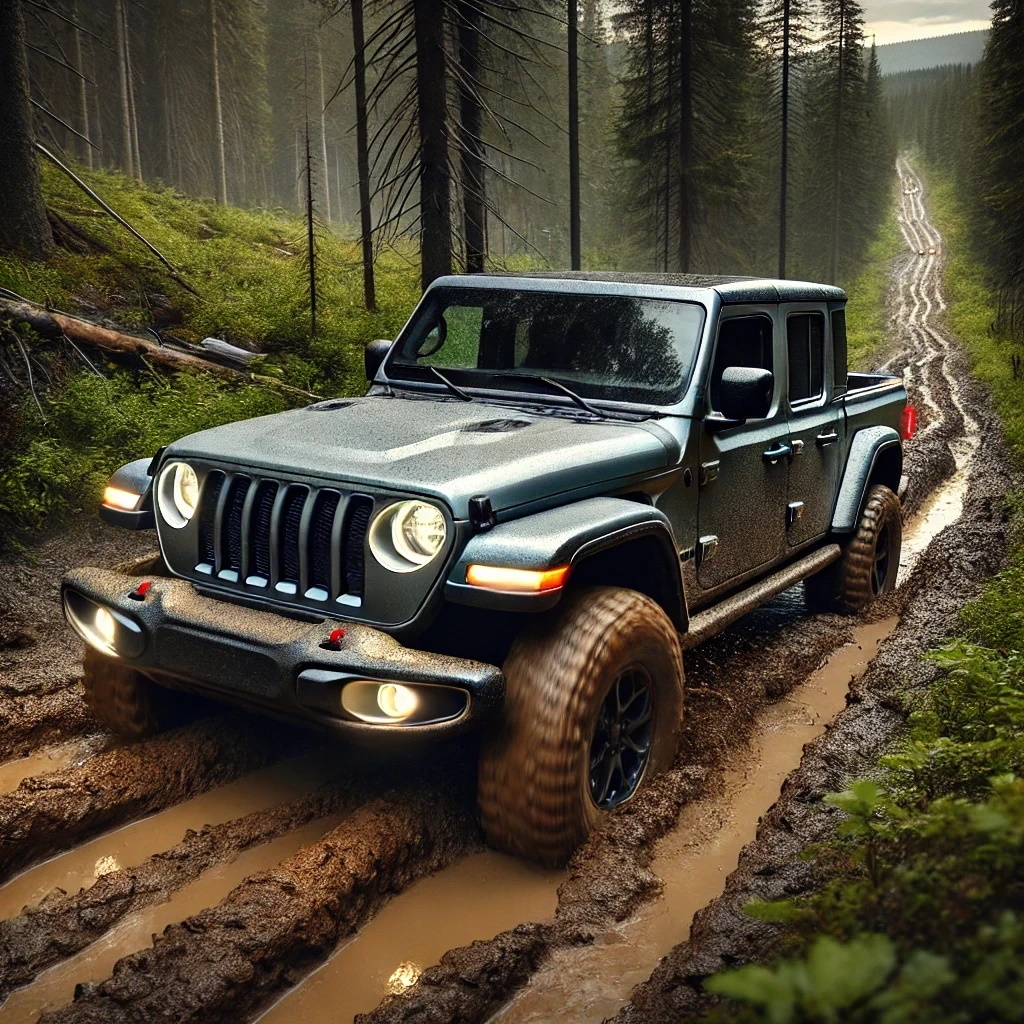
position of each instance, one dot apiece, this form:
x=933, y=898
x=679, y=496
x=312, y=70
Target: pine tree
x=23, y=223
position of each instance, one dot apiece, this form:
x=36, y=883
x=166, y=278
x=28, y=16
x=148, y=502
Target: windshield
x=615, y=347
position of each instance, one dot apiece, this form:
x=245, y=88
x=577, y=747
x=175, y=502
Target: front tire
x=870, y=560
x=593, y=708
x=129, y=703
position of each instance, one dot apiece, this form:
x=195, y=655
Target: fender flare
x=565, y=536
x=866, y=451
x=134, y=477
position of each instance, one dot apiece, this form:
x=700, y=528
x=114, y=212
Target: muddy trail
x=233, y=870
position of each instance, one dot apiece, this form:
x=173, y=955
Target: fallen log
x=51, y=324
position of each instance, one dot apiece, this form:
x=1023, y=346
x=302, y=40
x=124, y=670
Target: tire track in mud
x=53, y=812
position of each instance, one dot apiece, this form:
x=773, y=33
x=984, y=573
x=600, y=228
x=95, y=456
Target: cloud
x=901, y=20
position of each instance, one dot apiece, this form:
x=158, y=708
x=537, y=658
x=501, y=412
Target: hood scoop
x=330, y=405
x=503, y=426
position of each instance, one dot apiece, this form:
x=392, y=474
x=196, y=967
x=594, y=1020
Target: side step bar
x=707, y=623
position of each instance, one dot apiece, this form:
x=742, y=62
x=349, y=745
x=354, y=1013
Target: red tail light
x=908, y=423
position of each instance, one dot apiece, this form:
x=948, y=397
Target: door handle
x=777, y=451
x=826, y=439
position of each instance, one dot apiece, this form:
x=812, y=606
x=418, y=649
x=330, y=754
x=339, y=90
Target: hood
x=449, y=450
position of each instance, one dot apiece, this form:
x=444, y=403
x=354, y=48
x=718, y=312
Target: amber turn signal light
x=116, y=498
x=516, y=581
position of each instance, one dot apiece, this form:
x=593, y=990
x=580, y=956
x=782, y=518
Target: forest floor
x=233, y=870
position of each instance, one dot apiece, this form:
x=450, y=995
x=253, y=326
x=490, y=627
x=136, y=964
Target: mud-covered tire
x=870, y=560
x=129, y=703
x=535, y=766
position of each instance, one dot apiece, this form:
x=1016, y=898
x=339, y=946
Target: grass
x=249, y=270
x=867, y=309
x=923, y=916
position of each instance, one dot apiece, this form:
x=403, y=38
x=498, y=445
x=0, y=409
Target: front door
x=743, y=474
x=814, y=425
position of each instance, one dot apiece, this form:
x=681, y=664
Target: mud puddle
x=132, y=844
x=56, y=986
x=588, y=984
x=50, y=759
x=475, y=898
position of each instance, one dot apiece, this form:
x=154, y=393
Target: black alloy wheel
x=621, y=745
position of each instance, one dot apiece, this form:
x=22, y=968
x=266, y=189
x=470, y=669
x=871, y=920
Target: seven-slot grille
x=294, y=539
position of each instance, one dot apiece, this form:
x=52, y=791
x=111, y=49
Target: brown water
x=50, y=759
x=56, y=986
x=476, y=898
x=588, y=984
x=80, y=867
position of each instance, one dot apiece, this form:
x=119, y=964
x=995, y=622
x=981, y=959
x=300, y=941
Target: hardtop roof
x=731, y=288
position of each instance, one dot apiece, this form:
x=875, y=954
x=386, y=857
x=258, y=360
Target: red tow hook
x=140, y=592
x=333, y=642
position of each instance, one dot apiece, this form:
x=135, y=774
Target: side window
x=805, y=338
x=742, y=341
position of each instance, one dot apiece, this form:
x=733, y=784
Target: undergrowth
x=867, y=310
x=923, y=918
x=249, y=270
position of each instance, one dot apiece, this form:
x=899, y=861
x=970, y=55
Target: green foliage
x=97, y=424
x=867, y=311
x=246, y=267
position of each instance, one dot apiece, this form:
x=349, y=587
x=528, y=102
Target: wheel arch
x=876, y=457
x=605, y=541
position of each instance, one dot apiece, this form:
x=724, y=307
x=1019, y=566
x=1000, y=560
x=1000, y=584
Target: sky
x=897, y=21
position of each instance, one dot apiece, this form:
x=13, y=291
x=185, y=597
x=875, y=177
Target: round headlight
x=408, y=535
x=178, y=494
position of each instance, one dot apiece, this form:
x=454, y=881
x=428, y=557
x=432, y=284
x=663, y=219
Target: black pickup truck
x=554, y=483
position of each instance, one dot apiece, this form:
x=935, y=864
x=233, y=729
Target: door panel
x=742, y=491
x=815, y=425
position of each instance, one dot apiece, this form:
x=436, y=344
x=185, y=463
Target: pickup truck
x=554, y=484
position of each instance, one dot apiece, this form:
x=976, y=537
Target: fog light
x=111, y=632
x=115, y=497
x=105, y=626
x=396, y=701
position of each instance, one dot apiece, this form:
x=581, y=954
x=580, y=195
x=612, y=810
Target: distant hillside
x=918, y=54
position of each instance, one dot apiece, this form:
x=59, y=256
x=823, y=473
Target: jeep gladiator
x=554, y=484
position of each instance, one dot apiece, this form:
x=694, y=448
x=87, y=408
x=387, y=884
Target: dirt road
x=286, y=878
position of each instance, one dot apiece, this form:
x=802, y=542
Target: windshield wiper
x=558, y=386
x=453, y=388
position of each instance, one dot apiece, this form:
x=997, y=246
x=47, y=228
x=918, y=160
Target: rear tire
x=129, y=703
x=593, y=708
x=870, y=560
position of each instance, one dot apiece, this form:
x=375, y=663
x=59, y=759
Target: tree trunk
x=133, y=117
x=432, y=117
x=784, y=154
x=323, y=132
x=124, y=73
x=85, y=150
x=23, y=224
x=686, y=203
x=218, y=110
x=471, y=134
x=574, y=137
x=363, y=156
x=837, y=171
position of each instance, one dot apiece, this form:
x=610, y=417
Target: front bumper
x=277, y=664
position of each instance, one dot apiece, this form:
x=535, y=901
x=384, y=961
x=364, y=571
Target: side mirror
x=374, y=355
x=745, y=393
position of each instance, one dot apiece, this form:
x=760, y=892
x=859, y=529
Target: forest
x=482, y=132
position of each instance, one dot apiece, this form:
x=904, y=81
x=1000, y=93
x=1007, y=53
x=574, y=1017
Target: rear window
x=615, y=347
x=805, y=336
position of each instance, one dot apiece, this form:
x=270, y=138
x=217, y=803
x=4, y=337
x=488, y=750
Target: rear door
x=814, y=423
x=743, y=473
